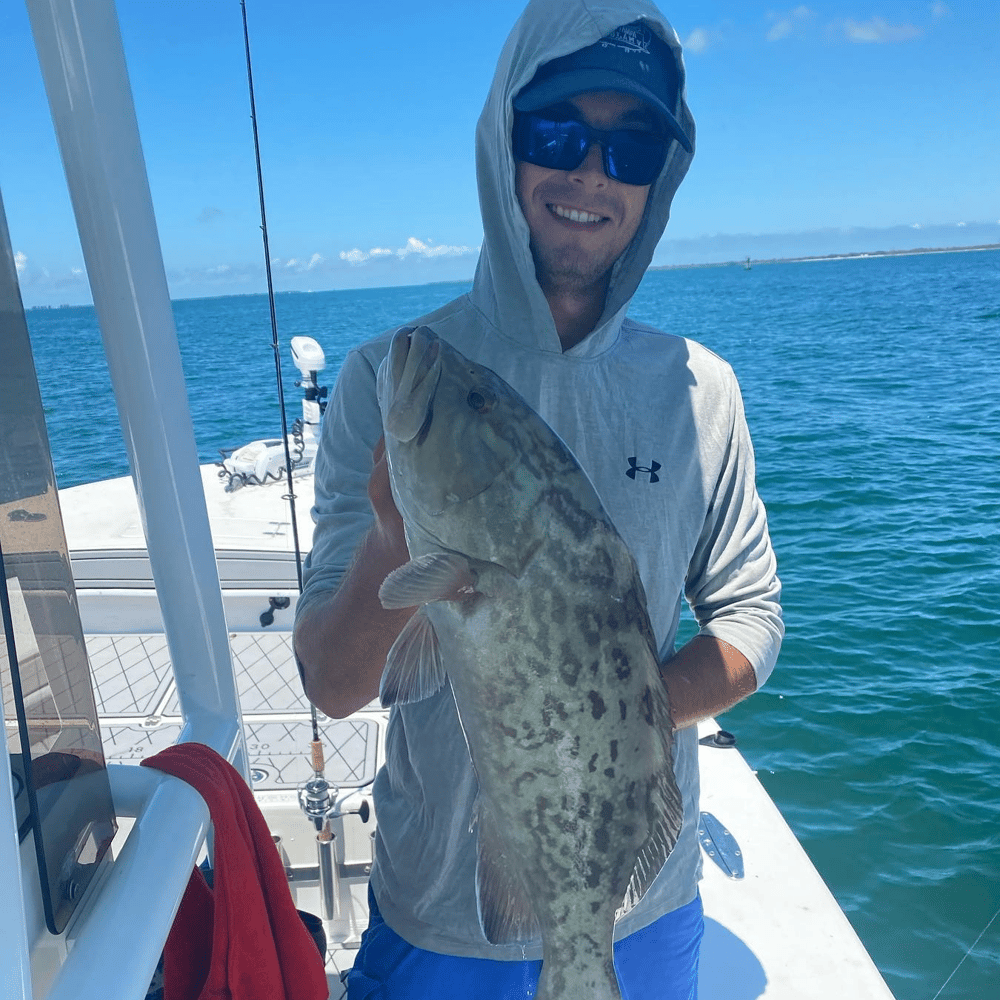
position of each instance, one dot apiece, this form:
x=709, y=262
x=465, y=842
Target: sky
x=828, y=127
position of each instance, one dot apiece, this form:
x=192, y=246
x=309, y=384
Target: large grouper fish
x=530, y=605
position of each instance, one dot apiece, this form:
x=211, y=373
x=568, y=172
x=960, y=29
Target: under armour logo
x=652, y=470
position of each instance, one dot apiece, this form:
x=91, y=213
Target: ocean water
x=872, y=389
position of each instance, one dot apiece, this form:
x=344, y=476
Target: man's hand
x=388, y=531
x=343, y=642
x=388, y=520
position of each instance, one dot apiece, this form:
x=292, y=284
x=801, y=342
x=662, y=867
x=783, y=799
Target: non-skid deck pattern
x=140, y=712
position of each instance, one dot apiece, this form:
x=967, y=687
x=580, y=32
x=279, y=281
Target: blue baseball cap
x=633, y=59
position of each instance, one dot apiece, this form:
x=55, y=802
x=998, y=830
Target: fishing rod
x=317, y=797
x=316, y=746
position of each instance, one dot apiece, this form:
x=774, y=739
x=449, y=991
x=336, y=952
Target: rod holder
x=329, y=876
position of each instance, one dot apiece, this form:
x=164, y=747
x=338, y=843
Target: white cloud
x=916, y=225
x=788, y=24
x=939, y=10
x=317, y=270
x=39, y=278
x=961, y=225
x=703, y=38
x=697, y=41
x=426, y=249
x=413, y=245
x=296, y=265
x=876, y=31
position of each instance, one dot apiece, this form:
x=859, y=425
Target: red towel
x=242, y=940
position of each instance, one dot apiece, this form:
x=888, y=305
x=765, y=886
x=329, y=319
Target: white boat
x=186, y=592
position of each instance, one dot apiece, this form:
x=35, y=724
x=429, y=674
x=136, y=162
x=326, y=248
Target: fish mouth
x=413, y=370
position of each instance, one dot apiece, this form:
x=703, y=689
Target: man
x=583, y=141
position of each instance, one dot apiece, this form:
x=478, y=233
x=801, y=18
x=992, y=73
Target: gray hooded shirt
x=628, y=399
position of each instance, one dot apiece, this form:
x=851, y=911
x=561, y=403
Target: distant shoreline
x=656, y=267
x=829, y=256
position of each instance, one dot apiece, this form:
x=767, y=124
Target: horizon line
x=739, y=262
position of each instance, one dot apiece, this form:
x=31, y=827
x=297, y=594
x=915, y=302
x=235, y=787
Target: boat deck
x=140, y=712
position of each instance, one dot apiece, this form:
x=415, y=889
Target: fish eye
x=481, y=400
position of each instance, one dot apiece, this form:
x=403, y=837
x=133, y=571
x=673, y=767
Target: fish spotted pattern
x=532, y=608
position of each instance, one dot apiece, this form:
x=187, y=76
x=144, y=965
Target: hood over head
x=506, y=289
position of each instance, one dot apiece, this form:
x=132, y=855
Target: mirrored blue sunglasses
x=629, y=155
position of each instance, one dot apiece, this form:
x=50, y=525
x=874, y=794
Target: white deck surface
x=778, y=932
x=105, y=515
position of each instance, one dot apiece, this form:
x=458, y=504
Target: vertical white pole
x=83, y=65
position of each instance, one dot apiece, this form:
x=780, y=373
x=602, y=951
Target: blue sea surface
x=872, y=390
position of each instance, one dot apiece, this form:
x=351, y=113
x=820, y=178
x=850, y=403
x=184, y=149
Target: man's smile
x=575, y=215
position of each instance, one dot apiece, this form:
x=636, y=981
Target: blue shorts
x=659, y=962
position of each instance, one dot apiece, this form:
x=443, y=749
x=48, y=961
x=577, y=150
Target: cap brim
x=565, y=85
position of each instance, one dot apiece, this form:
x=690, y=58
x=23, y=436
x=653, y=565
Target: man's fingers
x=380, y=492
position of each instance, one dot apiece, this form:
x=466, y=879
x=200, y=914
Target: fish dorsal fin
x=668, y=807
x=505, y=910
x=436, y=576
x=413, y=668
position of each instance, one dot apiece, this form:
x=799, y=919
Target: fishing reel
x=322, y=803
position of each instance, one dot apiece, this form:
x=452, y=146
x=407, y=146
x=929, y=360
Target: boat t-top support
x=83, y=67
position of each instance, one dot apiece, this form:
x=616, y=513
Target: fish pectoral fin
x=505, y=910
x=413, y=668
x=668, y=807
x=436, y=576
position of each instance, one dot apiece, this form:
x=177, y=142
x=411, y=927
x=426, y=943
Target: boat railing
x=119, y=935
